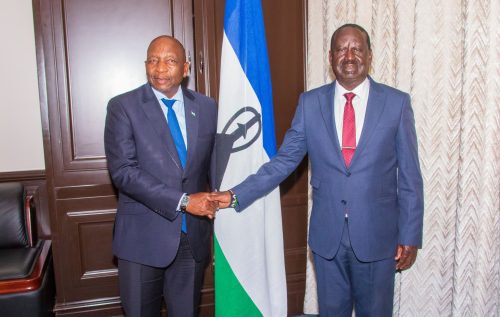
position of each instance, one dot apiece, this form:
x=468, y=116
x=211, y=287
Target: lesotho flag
x=249, y=262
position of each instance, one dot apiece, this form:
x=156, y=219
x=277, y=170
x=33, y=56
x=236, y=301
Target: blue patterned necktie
x=175, y=130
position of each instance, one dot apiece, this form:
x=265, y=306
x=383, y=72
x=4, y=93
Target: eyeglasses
x=153, y=61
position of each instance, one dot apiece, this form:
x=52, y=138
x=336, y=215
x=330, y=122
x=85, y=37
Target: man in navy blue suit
x=367, y=213
x=159, y=140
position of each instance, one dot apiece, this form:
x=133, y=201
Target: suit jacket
x=381, y=191
x=145, y=168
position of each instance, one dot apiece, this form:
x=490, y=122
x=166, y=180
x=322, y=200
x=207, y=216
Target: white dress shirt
x=359, y=104
x=178, y=108
x=181, y=117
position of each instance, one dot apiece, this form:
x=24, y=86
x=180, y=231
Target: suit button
x=185, y=181
x=348, y=174
x=343, y=202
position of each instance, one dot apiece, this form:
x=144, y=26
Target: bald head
x=167, y=38
x=166, y=65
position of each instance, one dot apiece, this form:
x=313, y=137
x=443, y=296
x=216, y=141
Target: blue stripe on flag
x=244, y=27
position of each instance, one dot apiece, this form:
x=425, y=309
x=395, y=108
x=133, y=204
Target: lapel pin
x=193, y=114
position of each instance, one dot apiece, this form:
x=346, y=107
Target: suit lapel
x=374, y=108
x=157, y=119
x=191, y=111
x=326, y=105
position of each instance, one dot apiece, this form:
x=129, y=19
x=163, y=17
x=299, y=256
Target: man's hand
x=405, y=256
x=223, y=199
x=200, y=205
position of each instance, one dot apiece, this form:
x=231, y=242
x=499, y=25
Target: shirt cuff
x=234, y=201
x=179, y=203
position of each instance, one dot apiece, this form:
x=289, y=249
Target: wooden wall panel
x=88, y=231
x=104, y=50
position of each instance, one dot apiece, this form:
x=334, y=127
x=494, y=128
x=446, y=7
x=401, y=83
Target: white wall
x=21, y=145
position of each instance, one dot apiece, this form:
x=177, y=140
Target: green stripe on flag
x=231, y=298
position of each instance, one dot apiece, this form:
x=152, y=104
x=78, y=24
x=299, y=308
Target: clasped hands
x=206, y=204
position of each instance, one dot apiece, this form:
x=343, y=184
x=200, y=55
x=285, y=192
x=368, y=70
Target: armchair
x=26, y=270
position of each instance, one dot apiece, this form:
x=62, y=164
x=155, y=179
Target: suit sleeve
x=126, y=171
x=410, y=184
x=271, y=174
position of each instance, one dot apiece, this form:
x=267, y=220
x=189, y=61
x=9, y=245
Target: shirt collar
x=179, y=96
x=358, y=91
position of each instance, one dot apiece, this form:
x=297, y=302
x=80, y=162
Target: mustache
x=350, y=62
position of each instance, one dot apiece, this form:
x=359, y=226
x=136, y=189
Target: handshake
x=206, y=204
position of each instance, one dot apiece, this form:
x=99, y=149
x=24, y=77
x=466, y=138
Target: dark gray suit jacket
x=381, y=191
x=145, y=168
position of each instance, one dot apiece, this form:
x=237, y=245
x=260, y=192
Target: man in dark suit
x=367, y=213
x=159, y=140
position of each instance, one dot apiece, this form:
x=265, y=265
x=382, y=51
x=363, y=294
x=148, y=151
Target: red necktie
x=349, y=129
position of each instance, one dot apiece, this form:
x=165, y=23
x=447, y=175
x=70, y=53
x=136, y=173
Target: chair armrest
x=34, y=280
x=29, y=220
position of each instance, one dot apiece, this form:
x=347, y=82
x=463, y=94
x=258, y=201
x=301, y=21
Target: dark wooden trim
x=305, y=30
x=206, y=36
x=33, y=281
x=103, y=304
x=22, y=176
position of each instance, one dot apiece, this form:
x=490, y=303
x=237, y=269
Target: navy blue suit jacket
x=145, y=168
x=381, y=191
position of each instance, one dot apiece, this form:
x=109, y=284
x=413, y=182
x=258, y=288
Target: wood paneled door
x=91, y=50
